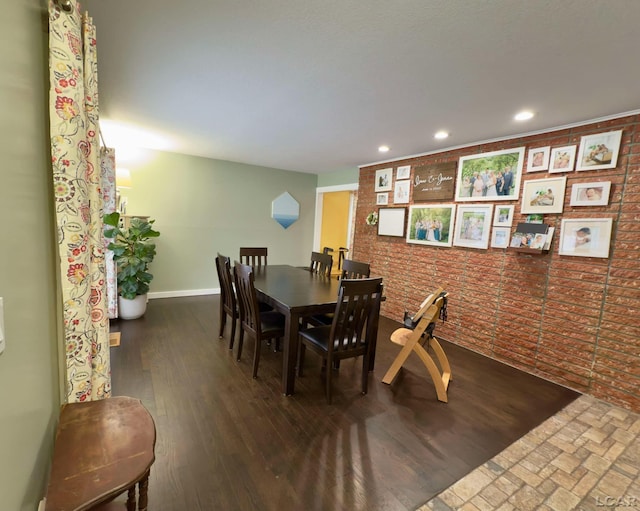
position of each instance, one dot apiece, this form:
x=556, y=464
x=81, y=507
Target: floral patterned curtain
x=73, y=100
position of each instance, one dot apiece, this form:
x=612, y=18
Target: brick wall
x=572, y=320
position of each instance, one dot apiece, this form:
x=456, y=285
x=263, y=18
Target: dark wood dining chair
x=321, y=263
x=355, y=269
x=261, y=326
x=254, y=256
x=351, y=332
x=228, y=302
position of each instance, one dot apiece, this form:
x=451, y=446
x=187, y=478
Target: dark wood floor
x=228, y=442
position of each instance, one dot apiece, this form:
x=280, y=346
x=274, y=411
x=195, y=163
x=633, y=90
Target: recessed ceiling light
x=441, y=135
x=525, y=115
x=383, y=148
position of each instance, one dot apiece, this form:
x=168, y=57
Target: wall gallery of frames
x=535, y=238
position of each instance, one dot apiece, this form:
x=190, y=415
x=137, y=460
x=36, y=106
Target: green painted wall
x=203, y=206
x=29, y=396
x=344, y=177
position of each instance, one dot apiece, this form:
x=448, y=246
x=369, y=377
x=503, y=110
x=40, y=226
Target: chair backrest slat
x=355, y=313
x=254, y=256
x=321, y=263
x=355, y=269
x=247, y=298
x=223, y=267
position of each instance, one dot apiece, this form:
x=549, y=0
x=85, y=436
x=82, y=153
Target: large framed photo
x=473, y=225
x=543, y=195
x=391, y=221
x=590, y=194
x=490, y=176
x=562, y=159
x=431, y=224
x=384, y=180
x=538, y=159
x=585, y=237
x=599, y=151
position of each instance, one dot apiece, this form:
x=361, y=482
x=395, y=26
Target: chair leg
x=240, y=342
x=328, y=382
x=365, y=374
x=256, y=358
x=223, y=321
x=301, y=350
x=233, y=332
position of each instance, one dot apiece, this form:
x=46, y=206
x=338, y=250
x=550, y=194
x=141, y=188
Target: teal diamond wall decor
x=285, y=209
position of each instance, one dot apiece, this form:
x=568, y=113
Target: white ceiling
x=317, y=85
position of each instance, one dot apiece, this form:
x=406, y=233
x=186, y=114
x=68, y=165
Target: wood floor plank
x=228, y=441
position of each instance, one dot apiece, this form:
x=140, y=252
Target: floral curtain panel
x=73, y=100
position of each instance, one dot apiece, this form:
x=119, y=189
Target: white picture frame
x=508, y=163
x=599, y=151
x=538, y=159
x=382, y=199
x=420, y=229
x=500, y=237
x=403, y=172
x=473, y=225
x=585, y=237
x=543, y=195
x=503, y=216
x=384, y=180
x=391, y=221
x=401, y=192
x=562, y=159
x=590, y=194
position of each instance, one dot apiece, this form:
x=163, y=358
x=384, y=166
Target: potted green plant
x=132, y=252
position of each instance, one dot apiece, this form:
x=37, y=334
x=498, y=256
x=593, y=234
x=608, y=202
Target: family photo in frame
x=431, y=224
x=599, y=151
x=585, y=237
x=473, y=226
x=490, y=176
x=590, y=194
x=543, y=195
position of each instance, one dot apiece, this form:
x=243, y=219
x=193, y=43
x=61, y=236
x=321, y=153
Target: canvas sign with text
x=434, y=182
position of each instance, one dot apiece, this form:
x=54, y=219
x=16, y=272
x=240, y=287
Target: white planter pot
x=132, y=309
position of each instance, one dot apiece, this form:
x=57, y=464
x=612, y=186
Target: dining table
x=297, y=293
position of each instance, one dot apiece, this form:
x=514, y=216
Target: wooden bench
x=102, y=449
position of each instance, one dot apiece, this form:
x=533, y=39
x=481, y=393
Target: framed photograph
x=391, y=221
x=562, y=159
x=538, y=159
x=585, y=237
x=503, y=216
x=403, y=172
x=473, y=225
x=384, y=180
x=500, y=237
x=401, y=192
x=543, y=196
x=431, y=225
x=382, y=199
x=490, y=176
x=590, y=194
x=599, y=151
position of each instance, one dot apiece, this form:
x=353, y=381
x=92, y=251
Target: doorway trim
x=317, y=228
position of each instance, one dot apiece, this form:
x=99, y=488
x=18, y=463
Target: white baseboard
x=188, y=292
